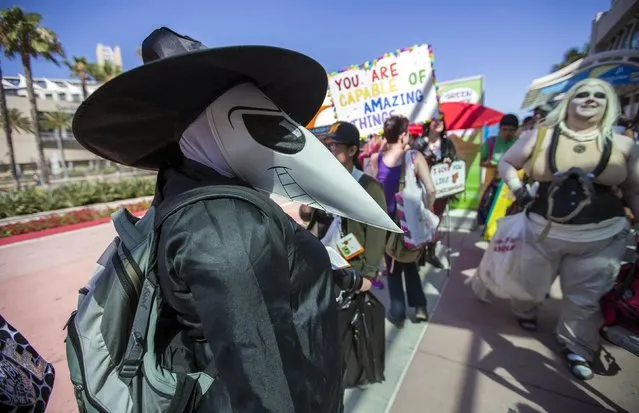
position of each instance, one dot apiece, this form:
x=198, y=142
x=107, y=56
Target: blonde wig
x=607, y=123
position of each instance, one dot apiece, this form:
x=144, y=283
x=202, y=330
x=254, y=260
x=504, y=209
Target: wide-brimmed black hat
x=134, y=117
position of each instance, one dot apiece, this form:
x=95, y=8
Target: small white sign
x=449, y=180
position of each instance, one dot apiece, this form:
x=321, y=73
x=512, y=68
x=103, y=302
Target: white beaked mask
x=264, y=147
x=589, y=102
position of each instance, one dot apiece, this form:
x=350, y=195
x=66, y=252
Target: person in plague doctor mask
x=255, y=296
x=576, y=224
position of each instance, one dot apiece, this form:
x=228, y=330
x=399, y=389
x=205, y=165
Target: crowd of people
x=573, y=172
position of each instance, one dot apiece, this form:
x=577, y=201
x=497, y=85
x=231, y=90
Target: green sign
x=467, y=143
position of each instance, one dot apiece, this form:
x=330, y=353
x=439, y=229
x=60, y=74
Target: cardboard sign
x=449, y=180
x=399, y=83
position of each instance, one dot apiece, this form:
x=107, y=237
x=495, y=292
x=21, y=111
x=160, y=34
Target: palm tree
x=22, y=36
x=59, y=122
x=4, y=114
x=570, y=56
x=80, y=68
x=105, y=72
x=17, y=123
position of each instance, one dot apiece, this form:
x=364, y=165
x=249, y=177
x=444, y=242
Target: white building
x=613, y=56
x=107, y=54
x=52, y=95
x=64, y=90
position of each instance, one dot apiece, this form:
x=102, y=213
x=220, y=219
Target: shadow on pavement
x=524, y=371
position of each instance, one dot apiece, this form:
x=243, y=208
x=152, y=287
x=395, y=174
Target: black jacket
x=262, y=305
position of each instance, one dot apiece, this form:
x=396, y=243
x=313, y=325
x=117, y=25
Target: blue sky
x=510, y=42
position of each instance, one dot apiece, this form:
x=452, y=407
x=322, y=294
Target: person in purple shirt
x=387, y=165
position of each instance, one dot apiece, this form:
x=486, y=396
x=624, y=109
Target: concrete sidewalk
x=474, y=358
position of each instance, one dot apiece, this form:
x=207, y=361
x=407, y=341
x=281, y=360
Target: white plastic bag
x=500, y=269
x=417, y=221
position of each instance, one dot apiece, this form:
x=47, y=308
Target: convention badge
x=349, y=246
x=337, y=261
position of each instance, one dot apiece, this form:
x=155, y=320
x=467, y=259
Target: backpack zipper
x=78, y=388
x=125, y=281
x=136, y=280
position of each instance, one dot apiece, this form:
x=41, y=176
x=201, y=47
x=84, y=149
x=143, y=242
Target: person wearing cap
x=343, y=142
x=491, y=152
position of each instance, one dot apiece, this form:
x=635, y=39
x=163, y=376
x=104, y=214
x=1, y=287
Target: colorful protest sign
x=467, y=142
x=400, y=83
x=325, y=116
x=449, y=180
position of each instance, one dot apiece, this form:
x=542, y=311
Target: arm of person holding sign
x=423, y=173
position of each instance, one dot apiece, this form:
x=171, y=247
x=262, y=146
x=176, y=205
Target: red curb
x=58, y=230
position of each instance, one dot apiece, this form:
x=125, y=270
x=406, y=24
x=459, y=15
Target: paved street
x=471, y=357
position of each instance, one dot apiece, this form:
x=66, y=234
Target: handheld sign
x=399, y=83
x=449, y=180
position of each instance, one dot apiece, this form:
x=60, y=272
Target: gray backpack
x=111, y=336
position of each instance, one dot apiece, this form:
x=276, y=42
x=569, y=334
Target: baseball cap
x=344, y=132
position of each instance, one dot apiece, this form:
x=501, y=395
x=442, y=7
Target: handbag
x=501, y=267
x=362, y=330
x=418, y=222
x=26, y=379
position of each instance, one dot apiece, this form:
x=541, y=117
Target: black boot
x=431, y=256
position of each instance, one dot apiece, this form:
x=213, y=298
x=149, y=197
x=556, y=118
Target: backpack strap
x=132, y=359
x=124, y=223
x=402, y=176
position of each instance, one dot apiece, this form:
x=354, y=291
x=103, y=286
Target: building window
x=62, y=96
x=76, y=97
x=48, y=96
x=633, y=42
x=45, y=133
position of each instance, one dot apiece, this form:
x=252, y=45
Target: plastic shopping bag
x=500, y=270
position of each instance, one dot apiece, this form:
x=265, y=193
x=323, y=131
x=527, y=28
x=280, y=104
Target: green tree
x=17, y=122
x=571, y=56
x=7, y=126
x=59, y=122
x=22, y=36
x=81, y=69
x=105, y=72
